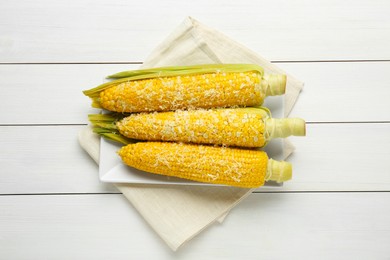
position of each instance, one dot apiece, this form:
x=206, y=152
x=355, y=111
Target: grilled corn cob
x=217, y=165
x=245, y=127
x=187, y=87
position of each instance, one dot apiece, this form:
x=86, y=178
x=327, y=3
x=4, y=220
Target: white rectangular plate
x=112, y=169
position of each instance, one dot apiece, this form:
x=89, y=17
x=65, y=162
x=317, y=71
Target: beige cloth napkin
x=178, y=212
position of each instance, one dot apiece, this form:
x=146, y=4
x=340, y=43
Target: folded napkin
x=179, y=212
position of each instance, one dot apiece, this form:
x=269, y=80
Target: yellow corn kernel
x=216, y=165
x=184, y=92
x=167, y=89
x=231, y=127
x=244, y=127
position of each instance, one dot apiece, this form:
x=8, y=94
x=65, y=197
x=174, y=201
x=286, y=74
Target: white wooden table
x=52, y=205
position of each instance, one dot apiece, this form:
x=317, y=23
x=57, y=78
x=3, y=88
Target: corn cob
x=186, y=87
x=217, y=165
x=245, y=127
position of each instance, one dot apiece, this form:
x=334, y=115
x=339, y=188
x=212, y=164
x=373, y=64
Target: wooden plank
x=264, y=226
x=39, y=159
x=342, y=92
x=49, y=94
x=333, y=157
x=57, y=31
x=334, y=92
x=341, y=157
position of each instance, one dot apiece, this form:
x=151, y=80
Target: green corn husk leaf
x=105, y=126
x=126, y=76
x=258, y=108
x=202, y=68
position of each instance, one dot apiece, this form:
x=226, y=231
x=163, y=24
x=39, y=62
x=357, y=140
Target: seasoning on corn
x=244, y=127
x=217, y=165
x=187, y=87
